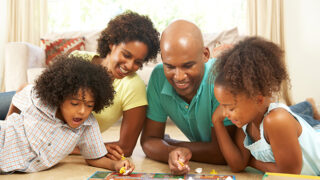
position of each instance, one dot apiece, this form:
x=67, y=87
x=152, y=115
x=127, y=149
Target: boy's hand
x=114, y=152
x=178, y=161
x=128, y=166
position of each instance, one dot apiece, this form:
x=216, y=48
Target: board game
x=282, y=176
x=109, y=175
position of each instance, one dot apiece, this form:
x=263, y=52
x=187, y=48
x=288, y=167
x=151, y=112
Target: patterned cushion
x=219, y=48
x=60, y=46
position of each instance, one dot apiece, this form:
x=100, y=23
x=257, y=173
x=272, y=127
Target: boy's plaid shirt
x=35, y=139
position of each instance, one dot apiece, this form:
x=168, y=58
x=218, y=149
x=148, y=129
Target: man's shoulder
x=157, y=74
x=158, y=68
x=210, y=62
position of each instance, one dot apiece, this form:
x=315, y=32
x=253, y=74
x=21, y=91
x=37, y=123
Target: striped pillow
x=60, y=46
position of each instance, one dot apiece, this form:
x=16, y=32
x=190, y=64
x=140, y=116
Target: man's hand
x=178, y=161
x=114, y=151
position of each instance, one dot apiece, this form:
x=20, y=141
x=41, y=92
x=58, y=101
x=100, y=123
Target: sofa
x=24, y=61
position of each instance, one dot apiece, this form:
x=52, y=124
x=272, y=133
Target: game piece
x=181, y=163
x=213, y=172
x=190, y=178
x=198, y=170
x=126, y=173
x=122, y=157
x=122, y=170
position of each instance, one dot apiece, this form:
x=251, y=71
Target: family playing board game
x=226, y=107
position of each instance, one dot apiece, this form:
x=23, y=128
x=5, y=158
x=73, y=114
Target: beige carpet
x=74, y=167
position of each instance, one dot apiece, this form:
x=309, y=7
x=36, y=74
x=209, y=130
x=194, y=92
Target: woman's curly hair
x=253, y=66
x=67, y=75
x=126, y=27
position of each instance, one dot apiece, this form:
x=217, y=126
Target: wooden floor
x=75, y=168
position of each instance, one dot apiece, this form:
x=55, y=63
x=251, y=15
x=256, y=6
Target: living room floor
x=74, y=167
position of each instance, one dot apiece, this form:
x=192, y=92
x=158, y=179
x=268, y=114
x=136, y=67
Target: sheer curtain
x=25, y=20
x=265, y=18
x=3, y=40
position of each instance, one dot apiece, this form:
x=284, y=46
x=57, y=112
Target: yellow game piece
x=122, y=157
x=181, y=163
x=213, y=172
x=122, y=170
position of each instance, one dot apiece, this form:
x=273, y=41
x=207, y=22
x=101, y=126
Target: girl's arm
x=113, y=165
x=131, y=126
x=282, y=131
x=236, y=155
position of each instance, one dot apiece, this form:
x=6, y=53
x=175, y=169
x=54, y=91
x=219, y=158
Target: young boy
x=48, y=120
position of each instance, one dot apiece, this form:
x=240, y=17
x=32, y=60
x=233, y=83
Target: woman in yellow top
x=129, y=41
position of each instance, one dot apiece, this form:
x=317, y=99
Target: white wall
x=302, y=41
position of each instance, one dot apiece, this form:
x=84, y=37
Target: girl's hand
x=253, y=162
x=217, y=116
x=114, y=152
x=128, y=166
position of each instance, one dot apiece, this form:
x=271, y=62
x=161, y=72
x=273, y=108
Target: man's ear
x=206, y=54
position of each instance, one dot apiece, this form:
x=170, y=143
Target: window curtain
x=3, y=40
x=25, y=20
x=265, y=19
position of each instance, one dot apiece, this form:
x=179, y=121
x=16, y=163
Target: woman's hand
x=114, y=152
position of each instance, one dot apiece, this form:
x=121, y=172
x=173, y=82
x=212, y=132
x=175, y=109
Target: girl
x=46, y=121
x=246, y=79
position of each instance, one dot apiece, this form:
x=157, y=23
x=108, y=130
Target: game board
x=282, y=176
x=109, y=175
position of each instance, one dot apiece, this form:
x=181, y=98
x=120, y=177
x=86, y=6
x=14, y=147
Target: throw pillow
x=60, y=46
x=220, y=48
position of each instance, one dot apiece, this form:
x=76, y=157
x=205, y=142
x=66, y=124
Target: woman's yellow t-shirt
x=130, y=93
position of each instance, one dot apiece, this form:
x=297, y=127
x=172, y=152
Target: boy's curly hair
x=126, y=27
x=67, y=75
x=254, y=66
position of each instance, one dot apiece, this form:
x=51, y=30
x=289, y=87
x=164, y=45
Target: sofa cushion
x=220, y=48
x=59, y=46
x=90, y=36
x=224, y=39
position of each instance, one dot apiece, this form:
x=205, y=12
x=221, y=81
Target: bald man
x=179, y=89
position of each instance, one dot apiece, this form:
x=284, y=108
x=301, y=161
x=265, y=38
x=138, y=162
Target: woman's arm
x=12, y=108
x=236, y=155
x=131, y=126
